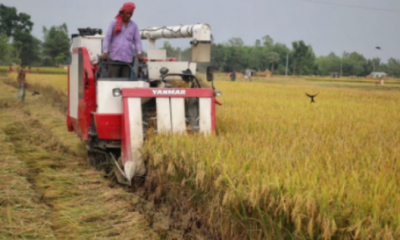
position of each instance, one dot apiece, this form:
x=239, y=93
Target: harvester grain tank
x=112, y=115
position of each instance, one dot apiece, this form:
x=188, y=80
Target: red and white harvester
x=112, y=115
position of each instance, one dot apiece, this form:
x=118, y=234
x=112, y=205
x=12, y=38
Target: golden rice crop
x=42, y=70
x=58, y=82
x=280, y=167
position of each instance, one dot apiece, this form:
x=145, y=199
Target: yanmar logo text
x=169, y=92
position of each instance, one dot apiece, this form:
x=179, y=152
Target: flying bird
x=35, y=93
x=379, y=48
x=312, y=97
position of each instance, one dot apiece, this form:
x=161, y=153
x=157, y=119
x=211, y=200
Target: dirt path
x=51, y=193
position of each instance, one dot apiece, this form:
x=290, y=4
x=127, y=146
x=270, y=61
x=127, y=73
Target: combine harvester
x=112, y=115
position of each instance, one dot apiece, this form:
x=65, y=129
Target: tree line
x=265, y=54
x=17, y=45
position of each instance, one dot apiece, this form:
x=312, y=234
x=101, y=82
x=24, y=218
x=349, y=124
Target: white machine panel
x=205, y=115
x=135, y=123
x=178, y=115
x=73, y=87
x=163, y=115
x=157, y=54
x=201, y=32
x=92, y=43
x=106, y=102
x=174, y=67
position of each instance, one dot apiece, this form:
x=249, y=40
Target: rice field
x=58, y=82
x=42, y=70
x=282, y=168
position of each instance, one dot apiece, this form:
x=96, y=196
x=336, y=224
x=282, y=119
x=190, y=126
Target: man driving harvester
x=117, y=43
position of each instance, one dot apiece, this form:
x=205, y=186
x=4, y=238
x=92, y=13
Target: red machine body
x=112, y=114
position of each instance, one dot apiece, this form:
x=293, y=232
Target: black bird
x=312, y=97
x=35, y=93
x=379, y=48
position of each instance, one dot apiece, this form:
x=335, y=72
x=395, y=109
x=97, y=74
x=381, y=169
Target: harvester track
x=48, y=152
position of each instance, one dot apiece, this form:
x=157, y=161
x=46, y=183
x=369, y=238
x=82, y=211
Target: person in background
x=22, y=83
x=29, y=70
x=9, y=70
x=117, y=44
x=233, y=76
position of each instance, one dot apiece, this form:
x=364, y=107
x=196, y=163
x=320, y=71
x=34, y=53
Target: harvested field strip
x=23, y=215
x=79, y=202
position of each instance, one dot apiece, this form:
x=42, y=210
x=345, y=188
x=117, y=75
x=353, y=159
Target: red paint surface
x=75, y=126
x=148, y=92
x=87, y=105
x=108, y=126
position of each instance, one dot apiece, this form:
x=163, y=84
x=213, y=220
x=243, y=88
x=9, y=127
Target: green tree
x=393, y=67
x=328, y=64
x=11, y=22
x=171, y=52
x=358, y=61
x=236, y=42
x=27, y=48
x=376, y=62
x=283, y=51
x=5, y=50
x=219, y=55
x=300, y=56
x=56, y=43
x=273, y=58
x=268, y=41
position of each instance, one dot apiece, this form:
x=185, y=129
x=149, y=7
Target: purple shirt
x=120, y=45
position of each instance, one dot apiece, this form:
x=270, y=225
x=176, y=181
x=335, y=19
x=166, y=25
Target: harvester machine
x=113, y=115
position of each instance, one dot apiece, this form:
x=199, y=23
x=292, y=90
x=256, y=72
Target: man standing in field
x=233, y=76
x=22, y=83
x=117, y=44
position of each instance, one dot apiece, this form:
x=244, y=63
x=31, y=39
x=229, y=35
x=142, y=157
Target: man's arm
x=137, y=41
x=107, y=39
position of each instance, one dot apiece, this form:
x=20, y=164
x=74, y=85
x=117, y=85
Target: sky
x=326, y=27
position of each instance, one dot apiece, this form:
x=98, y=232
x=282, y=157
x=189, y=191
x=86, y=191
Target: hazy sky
x=328, y=28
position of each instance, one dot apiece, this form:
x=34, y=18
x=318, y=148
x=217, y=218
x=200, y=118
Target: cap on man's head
x=128, y=7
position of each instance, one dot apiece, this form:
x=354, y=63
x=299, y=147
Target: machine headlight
x=116, y=92
x=217, y=93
